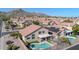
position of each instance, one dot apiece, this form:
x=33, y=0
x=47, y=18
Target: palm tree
x=64, y=39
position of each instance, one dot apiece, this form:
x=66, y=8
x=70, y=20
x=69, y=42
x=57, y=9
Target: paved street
x=4, y=31
x=0, y=27
x=0, y=33
x=76, y=47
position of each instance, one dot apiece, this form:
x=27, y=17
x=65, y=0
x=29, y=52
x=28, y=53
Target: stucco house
x=35, y=32
x=56, y=23
x=43, y=20
x=21, y=21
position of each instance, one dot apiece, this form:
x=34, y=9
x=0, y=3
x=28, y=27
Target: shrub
x=5, y=18
x=15, y=34
x=12, y=47
x=15, y=47
x=36, y=22
x=75, y=29
x=9, y=42
x=68, y=21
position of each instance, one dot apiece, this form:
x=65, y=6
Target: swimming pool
x=43, y=45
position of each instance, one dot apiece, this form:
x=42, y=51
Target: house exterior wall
x=36, y=34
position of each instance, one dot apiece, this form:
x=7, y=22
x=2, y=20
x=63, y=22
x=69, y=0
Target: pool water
x=40, y=46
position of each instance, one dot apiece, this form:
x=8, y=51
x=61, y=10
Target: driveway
x=0, y=33
x=76, y=47
x=0, y=27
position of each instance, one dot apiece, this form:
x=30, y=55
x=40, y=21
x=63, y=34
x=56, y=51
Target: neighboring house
x=56, y=23
x=18, y=21
x=43, y=20
x=21, y=21
x=53, y=30
x=27, y=22
x=67, y=30
x=35, y=32
x=68, y=24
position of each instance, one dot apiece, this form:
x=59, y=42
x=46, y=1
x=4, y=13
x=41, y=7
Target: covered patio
x=44, y=37
x=68, y=32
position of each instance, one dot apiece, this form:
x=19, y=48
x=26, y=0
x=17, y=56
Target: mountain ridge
x=21, y=12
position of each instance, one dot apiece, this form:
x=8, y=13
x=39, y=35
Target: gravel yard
x=17, y=42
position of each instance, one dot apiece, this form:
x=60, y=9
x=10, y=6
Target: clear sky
x=68, y=12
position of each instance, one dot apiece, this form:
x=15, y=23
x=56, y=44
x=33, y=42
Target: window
x=28, y=38
x=50, y=33
x=33, y=36
x=39, y=32
x=43, y=31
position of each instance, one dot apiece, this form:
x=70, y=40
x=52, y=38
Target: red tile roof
x=28, y=30
x=45, y=20
x=56, y=22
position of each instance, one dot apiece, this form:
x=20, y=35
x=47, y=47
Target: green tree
x=4, y=17
x=75, y=29
x=36, y=22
